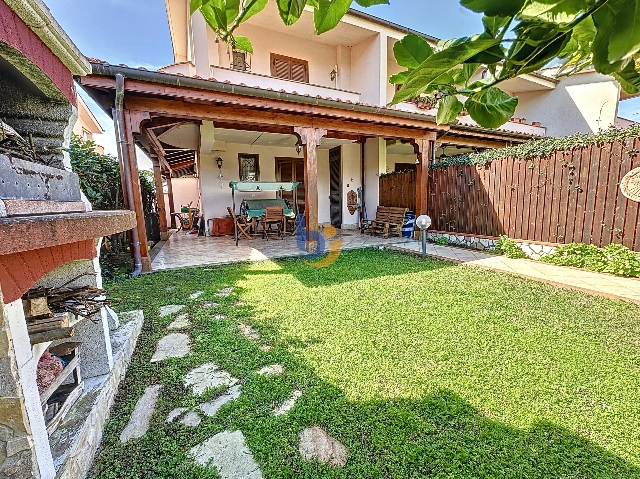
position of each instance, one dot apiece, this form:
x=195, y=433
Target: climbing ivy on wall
x=542, y=148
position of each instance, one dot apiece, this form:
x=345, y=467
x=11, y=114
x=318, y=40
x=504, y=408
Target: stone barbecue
x=59, y=369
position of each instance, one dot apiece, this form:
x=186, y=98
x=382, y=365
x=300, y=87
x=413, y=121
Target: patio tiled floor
x=597, y=283
x=190, y=250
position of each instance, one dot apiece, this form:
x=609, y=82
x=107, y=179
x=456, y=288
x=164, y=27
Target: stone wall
x=17, y=458
x=484, y=243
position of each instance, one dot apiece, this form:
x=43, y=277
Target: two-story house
x=336, y=84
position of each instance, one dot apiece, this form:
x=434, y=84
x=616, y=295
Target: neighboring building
x=247, y=111
x=87, y=124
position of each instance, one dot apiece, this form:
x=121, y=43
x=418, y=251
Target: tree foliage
x=99, y=176
x=519, y=37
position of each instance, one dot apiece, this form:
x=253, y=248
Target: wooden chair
x=241, y=222
x=290, y=225
x=389, y=221
x=274, y=216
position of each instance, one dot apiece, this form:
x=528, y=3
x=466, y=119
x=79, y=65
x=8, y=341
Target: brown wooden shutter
x=289, y=68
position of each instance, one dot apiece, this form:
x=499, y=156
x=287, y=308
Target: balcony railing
x=266, y=82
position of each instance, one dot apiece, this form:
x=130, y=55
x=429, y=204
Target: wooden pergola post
x=162, y=210
x=310, y=140
x=132, y=120
x=172, y=208
x=424, y=148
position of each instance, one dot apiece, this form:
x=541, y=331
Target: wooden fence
x=398, y=189
x=572, y=196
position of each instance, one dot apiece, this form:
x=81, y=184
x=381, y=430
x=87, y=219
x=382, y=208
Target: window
x=249, y=167
x=289, y=68
x=239, y=61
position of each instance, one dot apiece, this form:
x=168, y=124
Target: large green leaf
x=370, y=3
x=491, y=108
x=196, y=4
x=618, y=25
x=491, y=8
x=448, y=109
x=253, y=7
x=329, y=13
x=411, y=51
x=537, y=43
x=231, y=10
x=493, y=25
x=290, y=10
x=399, y=78
x=629, y=78
x=422, y=77
x=242, y=44
x=215, y=15
x=556, y=11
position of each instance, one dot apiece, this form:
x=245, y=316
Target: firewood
x=36, y=306
x=64, y=349
x=54, y=335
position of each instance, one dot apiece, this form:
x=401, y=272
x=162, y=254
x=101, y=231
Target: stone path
x=196, y=295
x=617, y=287
x=174, y=345
x=207, y=376
x=273, y=370
x=181, y=322
x=139, y=421
x=287, y=406
x=229, y=453
x=170, y=309
x=316, y=444
x=211, y=408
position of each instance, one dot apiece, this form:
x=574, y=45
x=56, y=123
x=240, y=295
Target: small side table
x=223, y=226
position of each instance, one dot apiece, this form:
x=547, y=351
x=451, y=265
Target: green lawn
x=422, y=368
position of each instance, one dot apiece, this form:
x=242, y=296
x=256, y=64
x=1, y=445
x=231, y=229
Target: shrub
x=509, y=248
x=442, y=241
x=614, y=258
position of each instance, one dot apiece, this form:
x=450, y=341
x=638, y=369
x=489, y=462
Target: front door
x=335, y=187
x=292, y=169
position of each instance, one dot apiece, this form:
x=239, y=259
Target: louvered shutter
x=289, y=68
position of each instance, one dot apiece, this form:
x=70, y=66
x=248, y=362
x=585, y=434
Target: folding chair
x=241, y=222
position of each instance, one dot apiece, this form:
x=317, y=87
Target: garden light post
x=423, y=222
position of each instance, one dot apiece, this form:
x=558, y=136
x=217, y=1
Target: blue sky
x=136, y=33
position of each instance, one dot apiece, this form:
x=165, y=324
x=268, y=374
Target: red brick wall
x=14, y=32
x=20, y=271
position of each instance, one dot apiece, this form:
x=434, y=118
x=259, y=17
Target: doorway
x=335, y=186
x=292, y=169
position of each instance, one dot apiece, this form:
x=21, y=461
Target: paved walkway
x=608, y=285
x=181, y=250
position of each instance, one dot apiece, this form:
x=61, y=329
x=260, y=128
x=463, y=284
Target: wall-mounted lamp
x=219, y=163
x=298, y=147
x=334, y=74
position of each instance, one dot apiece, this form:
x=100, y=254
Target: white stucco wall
x=351, y=179
x=367, y=70
x=582, y=103
x=375, y=161
x=322, y=58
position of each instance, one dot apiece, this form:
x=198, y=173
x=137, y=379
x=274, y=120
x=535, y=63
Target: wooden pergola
x=157, y=102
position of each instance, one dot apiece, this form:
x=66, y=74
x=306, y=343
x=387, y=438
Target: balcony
x=515, y=125
x=266, y=82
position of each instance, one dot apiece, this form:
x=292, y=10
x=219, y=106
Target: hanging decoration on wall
x=630, y=185
x=352, y=202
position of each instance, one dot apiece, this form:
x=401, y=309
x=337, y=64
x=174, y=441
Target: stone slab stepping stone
x=209, y=304
x=181, y=322
x=238, y=303
x=229, y=453
x=287, y=406
x=196, y=295
x=170, y=288
x=177, y=412
x=211, y=408
x=219, y=317
x=139, y=421
x=191, y=419
x=170, y=309
x=174, y=345
x=265, y=348
x=273, y=370
x=316, y=444
x=224, y=292
x=207, y=376
x=249, y=332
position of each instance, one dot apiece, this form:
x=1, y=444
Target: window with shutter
x=289, y=68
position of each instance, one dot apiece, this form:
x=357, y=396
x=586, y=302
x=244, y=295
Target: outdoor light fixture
x=219, y=163
x=423, y=222
x=298, y=147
